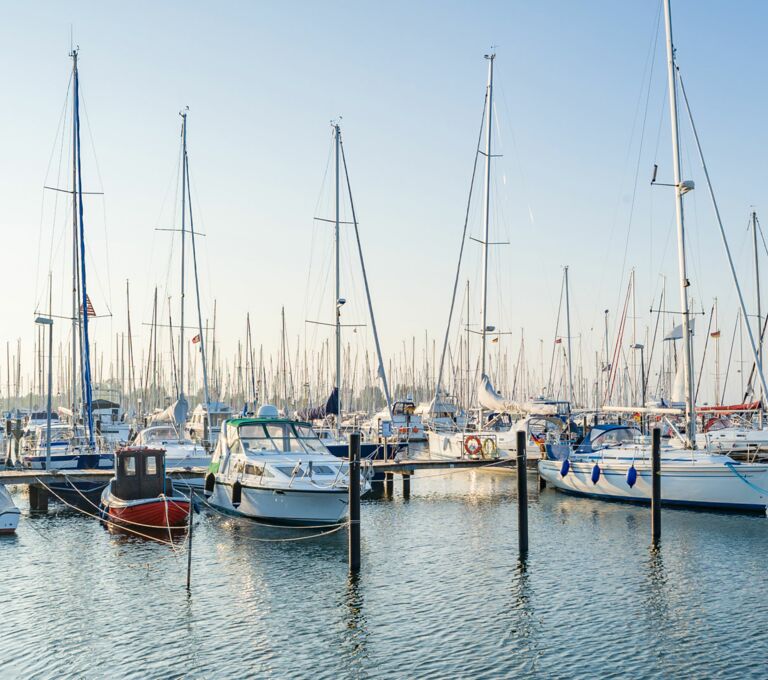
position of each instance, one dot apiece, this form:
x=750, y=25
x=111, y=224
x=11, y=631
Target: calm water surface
x=441, y=594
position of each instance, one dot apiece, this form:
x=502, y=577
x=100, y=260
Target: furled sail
x=176, y=413
x=490, y=399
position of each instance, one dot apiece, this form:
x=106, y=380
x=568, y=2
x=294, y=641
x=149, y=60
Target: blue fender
x=595, y=473
x=631, y=476
x=565, y=467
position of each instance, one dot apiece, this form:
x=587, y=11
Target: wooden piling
x=354, y=502
x=656, y=486
x=522, y=496
x=389, y=484
x=189, y=546
x=38, y=498
x=406, y=485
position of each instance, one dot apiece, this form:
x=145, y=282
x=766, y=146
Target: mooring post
x=189, y=547
x=38, y=499
x=656, y=486
x=354, y=502
x=522, y=495
x=389, y=483
x=406, y=484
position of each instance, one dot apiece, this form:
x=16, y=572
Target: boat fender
x=237, y=494
x=565, y=467
x=210, y=484
x=595, y=473
x=631, y=476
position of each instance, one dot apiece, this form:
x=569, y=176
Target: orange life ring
x=473, y=451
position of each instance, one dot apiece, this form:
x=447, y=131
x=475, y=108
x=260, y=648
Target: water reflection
x=355, y=630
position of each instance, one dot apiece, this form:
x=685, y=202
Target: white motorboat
x=614, y=463
x=9, y=513
x=277, y=470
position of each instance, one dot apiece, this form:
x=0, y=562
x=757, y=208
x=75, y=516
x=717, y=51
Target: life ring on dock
x=489, y=446
x=472, y=445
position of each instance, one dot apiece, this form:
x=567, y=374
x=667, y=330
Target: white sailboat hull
x=705, y=484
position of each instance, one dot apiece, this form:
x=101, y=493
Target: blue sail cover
x=320, y=412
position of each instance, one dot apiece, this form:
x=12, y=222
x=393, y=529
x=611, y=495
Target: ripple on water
x=442, y=594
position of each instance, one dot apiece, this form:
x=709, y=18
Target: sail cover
x=489, y=398
x=175, y=413
x=320, y=412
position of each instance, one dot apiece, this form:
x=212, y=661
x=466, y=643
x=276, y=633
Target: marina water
x=441, y=593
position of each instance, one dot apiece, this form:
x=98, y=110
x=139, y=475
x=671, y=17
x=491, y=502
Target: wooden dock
x=9, y=477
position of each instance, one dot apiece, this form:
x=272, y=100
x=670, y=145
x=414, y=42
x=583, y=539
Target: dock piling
x=389, y=484
x=38, y=498
x=189, y=546
x=656, y=487
x=406, y=485
x=354, y=502
x=522, y=495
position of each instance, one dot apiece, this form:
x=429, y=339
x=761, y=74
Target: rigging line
x=59, y=135
x=461, y=250
x=557, y=329
x=650, y=59
x=103, y=202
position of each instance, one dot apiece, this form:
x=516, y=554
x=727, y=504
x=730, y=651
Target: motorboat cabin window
x=285, y=438
x=129, y=466
x=252, y=438
x=310, y=440
x=252, y=469
x=151, y=465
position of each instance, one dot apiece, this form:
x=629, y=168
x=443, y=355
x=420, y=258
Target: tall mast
x=487, y=203
x=183, y=115
x=568, y=333
x=75, y=325
x=680, y=189
x=759, y=326
x=337, y=300
x=80, y=235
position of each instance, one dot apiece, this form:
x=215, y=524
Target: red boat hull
x=158, y=513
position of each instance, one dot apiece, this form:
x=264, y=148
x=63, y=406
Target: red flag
x=88, y=307
x=715, y=334
x=196, y=339
x=558, y=341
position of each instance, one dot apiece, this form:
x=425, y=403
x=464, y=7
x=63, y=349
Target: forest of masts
x=294, y=376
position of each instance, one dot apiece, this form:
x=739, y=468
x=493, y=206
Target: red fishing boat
x=140, y=496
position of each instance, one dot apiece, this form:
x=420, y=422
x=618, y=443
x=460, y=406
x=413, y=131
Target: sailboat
x=334, y=437
x=168, y=428
x=81, y=447
x=495, y=432
x=614, y=461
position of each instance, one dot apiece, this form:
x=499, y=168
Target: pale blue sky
x=262, y=80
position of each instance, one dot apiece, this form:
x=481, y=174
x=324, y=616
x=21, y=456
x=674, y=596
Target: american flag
x=88, y=306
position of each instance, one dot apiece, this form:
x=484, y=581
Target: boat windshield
x=614, y=437
x=155, y=435
x=283, y=437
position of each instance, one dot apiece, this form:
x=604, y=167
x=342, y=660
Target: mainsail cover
x=175, y=413
x=490, y=399
x=319, y=412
